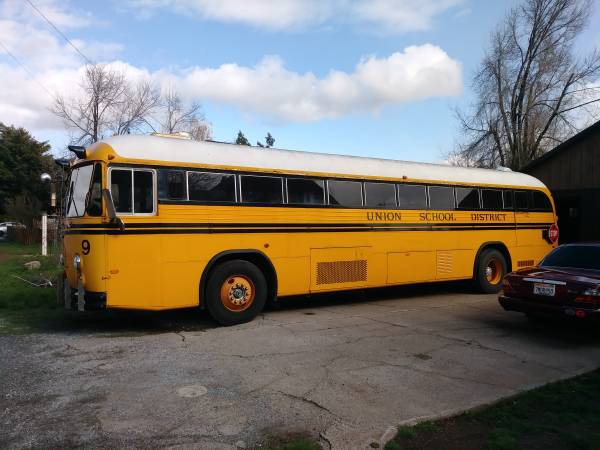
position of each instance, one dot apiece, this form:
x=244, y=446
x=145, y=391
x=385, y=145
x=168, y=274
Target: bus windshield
x=79, y=185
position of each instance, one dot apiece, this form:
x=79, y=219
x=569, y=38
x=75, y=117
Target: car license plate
x=543, y=289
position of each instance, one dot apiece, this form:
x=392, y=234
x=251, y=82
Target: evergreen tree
x=22, y=160
x=241, y=139
x=270, y=140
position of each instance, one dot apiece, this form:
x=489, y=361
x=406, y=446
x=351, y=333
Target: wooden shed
x=572, y=172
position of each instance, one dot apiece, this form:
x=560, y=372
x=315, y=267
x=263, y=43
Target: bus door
x=133, y=254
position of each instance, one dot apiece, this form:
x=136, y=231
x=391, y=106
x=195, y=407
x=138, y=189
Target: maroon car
x=566, y=282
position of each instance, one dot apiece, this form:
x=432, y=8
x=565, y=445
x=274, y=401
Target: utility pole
x=46, y=178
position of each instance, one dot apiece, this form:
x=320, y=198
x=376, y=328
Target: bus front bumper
x=90, y=301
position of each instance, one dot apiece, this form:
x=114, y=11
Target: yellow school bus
x=158, y=222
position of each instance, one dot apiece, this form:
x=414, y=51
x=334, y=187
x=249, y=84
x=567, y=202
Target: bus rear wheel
x=491, y=269
x=236, y=292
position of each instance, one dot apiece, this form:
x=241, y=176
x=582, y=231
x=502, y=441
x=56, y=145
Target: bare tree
x=108, y=104
x=178, y=117
x=530, y=86
x=133, y=112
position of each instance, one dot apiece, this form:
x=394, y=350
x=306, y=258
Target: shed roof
x=583, y=134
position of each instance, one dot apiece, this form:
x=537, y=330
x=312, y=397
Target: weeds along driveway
x=342, y=368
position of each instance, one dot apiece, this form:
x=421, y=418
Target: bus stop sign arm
x=110, y=208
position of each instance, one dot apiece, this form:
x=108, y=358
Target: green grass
x=21, y=303
x=12, y=248
x=301, y=444
x=561, y=415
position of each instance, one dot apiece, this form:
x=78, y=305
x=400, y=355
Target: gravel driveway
x=342, y=368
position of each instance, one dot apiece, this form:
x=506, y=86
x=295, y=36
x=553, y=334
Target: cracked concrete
x=341, y=368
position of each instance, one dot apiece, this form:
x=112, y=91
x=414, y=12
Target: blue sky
x=187, y=42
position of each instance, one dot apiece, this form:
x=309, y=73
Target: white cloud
x=272, y=14
x=392, y=16
x=268, y=89
x=51, y=65
x=22, y=12
x=401, y=15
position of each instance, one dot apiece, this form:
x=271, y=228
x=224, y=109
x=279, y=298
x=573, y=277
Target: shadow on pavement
x=113, y=323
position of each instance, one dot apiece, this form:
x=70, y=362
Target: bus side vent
x=445, y=263
x=526, y=263
x=341, y=271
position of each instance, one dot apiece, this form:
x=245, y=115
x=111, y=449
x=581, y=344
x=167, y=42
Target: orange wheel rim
x=493, y=271
x=237, y=293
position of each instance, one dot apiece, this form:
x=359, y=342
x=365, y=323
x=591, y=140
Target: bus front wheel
x=236, y=292
x=491, y=269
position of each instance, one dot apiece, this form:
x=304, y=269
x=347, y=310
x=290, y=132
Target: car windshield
x=574, y=256
x=78, y=189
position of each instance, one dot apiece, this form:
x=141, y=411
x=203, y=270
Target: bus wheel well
x=501, y=247
x=256, y=257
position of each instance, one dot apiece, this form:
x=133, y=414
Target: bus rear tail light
x=591, y=296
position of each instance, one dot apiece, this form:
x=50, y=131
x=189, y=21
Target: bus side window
x=541, y=202
x=132, y=190
x=172, y=185
x=380, y=195
x=261, y=189
x=94, y=206
x=345, y=193
x=305, y=191
x=143, y=192
x=412, y=196
x=522, y=200
x=211, y=187
x=507, y=199
x=467, y=198
x=120, y=187
x=441, y=197
x=491, y=199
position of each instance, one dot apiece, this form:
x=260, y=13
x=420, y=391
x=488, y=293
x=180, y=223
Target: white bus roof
x=184, y=151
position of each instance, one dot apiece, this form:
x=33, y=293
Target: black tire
x=219, y=276
x=490, y=258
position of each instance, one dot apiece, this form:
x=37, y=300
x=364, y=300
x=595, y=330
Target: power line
x=25, y=69
x=60, y=32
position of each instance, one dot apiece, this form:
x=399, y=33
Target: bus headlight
x=77, y=262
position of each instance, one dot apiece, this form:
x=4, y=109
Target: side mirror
x=110, y=208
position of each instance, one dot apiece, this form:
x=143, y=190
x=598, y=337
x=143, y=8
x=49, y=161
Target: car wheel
x=236, y=292
x=490, y=271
